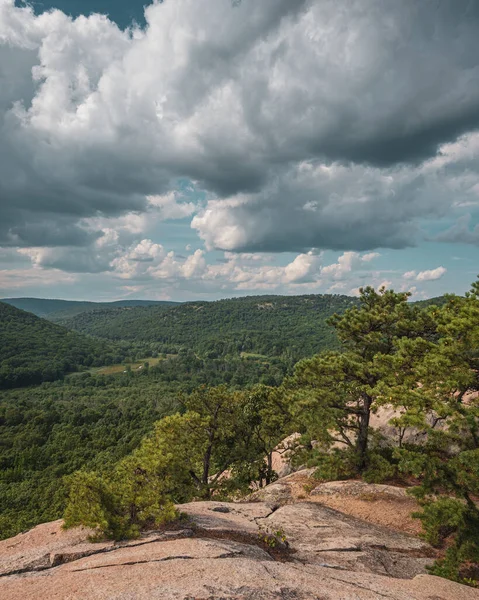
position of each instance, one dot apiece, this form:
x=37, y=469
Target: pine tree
x=448, y=462
x=334, y=394
x=267, y=422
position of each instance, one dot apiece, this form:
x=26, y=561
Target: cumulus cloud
x=170, y=206
x=343, y=207
x=98, y=120
x=148, y=262
x=346, y=263
x=275, y=126
x=430, y=275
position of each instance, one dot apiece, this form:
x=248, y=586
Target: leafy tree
x=91, y=504
x=448, y=463
x=216, y=446
x=34, y=350
x=290, y=327
x=212, y=426
x=121, y=504
x=185, y=457
x=268, y=422
x=334, y=394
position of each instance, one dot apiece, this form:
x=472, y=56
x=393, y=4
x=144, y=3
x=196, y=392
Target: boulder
x=359, y=489
x=284, y=490
x=281, y=457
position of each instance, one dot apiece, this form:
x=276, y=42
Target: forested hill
x=266, y=325
x=33, y=350
x=54, y=310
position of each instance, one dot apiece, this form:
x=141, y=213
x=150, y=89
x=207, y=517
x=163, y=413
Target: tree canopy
x=34, y=350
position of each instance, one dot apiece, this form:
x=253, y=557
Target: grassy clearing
x=137, y=365
x=252, y=355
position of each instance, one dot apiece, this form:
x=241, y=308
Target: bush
x=336, y=465
x=379, y=469
x=91, y=503
x=452, y=522
x=119, y=507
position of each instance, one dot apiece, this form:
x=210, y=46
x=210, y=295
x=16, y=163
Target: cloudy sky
x=217, y=148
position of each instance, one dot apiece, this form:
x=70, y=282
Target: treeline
x=54, y=310
x=284, y=326
x=421, y=360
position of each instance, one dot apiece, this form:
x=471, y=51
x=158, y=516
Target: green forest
x=293, y=326
x=117, y=452
x=33, y=350
x=90, y=421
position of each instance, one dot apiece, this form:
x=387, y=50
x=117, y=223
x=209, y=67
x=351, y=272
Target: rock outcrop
x=218, y=550
x=285, y=490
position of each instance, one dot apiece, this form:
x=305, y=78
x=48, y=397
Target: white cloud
x=195, y=265
x=337, y=287
x=146, y=251
x=303, y=268
x=170, y=207
x=430, y=275
x=346, y=263
x=371, y=256
x=16, y=279
x=307, y=124
x=148, y=262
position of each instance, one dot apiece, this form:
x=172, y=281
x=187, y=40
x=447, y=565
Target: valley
x=91, y=398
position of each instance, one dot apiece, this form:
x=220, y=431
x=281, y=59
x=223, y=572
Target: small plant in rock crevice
x=272, y=537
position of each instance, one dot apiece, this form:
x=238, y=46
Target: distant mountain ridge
x=293, y=326
x=53, y=310
x=264, y=325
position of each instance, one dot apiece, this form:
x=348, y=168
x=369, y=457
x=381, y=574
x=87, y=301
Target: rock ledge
x=217, y=553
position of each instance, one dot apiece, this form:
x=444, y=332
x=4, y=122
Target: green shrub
x=453, y=523
x=379, y=469
x=92, y=504
x=335, y=465
x=119, y=507
x=272, y=537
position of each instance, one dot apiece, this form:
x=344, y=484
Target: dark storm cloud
x=238, y=98
x=462, y=232
x=422, y=95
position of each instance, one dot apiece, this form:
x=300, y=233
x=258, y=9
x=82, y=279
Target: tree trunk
x=206, y=471
x=362, y=441
x=269, y=471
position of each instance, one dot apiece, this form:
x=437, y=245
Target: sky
x=204, y=149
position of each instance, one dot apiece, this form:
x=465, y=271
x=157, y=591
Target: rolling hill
x=33, y=350
x=54, y=310
x=264, y=325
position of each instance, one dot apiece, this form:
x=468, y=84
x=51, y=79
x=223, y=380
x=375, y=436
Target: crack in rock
x=136, y=562
x=165, y=559
x=350, y=549
x=52, y=560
